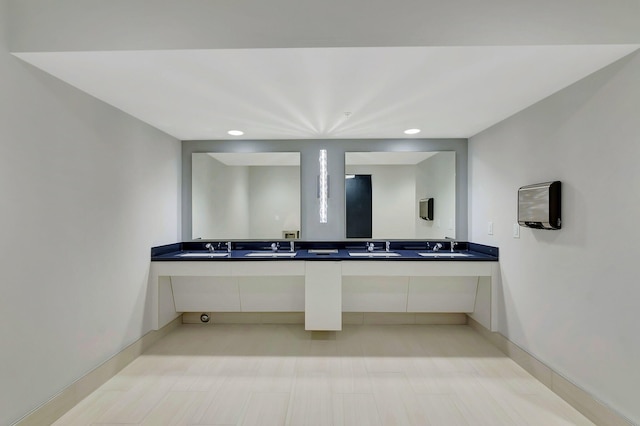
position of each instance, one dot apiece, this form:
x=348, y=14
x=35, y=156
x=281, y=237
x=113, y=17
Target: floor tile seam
x=245, y=408
x=493, y=394
x=455, y=406
x=462, y=398
x=214, y=395
x=149, y=410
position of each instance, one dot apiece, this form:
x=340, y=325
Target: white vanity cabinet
x=236, y=286
x=192, y=294
x=270, y=286
x=200, y=285
x=374, y=293
x=324, y=289
x=412, y=286
x=442, y=294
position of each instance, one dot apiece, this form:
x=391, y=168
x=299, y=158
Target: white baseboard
x=69, y=397
x=585, y=403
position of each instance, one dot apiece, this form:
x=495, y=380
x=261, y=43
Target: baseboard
x=578, y=398
x=348, y=318
x=69, y=397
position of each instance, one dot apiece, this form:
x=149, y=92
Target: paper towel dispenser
x=426, y=208
x=539, y=205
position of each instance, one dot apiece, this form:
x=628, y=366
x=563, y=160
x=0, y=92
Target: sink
x=203, y=254
x=373, y=253
x=443, y=254
x=271, y=254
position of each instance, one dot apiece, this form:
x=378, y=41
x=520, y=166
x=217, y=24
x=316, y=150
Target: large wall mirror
x=253, y=195
x=383, y=192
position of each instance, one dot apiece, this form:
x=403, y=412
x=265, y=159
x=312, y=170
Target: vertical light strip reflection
x=323, y=186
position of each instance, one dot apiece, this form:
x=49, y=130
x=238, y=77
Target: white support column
x=323, y=296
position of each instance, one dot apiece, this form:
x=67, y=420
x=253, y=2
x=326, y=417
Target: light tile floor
x=364, y=375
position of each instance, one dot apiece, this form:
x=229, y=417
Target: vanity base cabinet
x=271, y=294
x=324, y=290
x=374, y=294
x=438, y=287
x=409, y=294
x=205, y=294
x=442, y=294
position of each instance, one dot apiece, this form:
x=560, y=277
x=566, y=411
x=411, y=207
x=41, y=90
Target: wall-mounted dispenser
x=426, y=208
x=539, y=205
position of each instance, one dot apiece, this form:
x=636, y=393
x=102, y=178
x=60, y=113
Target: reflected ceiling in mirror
x=399, y=180
x=253, y=195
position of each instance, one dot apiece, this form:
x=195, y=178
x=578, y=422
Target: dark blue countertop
x=195, y=251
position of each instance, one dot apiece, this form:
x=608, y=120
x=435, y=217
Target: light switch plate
x=516, y=230
x=490, y=228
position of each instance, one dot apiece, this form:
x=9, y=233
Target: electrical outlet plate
x=490, y=228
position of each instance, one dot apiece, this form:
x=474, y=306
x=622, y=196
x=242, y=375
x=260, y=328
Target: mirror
x=390, y=201
x=253, y=195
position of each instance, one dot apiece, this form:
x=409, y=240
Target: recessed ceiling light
x=411, y=131
x=236, y=132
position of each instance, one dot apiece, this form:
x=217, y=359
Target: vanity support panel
x=323, y=296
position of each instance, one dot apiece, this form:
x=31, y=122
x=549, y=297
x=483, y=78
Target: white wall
x=220, y=199
x=274, y=201
x=43, y=25
x=85, y=192
x=570, y=297
x=436, y=178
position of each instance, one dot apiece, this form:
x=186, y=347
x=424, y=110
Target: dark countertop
x=195, y=251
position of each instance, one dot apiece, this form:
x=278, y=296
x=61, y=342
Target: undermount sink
x=203, y=254
x=373, y=253
x=443, y=254
x=272, y=254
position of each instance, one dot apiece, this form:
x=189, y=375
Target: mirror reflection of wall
x=245, y=195
x=399, y=180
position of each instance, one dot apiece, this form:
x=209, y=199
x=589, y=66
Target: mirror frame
x=334, y=230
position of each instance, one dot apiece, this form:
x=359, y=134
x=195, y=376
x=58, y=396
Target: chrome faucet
x=437, y=246
x=292, y=246
x=387, y=246
x=209, y=246
x=275, y=246
x=453, y=244
x=228, y=246
x=370, y=246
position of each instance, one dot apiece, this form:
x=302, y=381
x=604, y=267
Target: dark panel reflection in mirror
x=246, y=195
x=399, y=180
x=359, y=206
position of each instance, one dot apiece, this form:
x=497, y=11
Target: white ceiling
x=327, y=93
